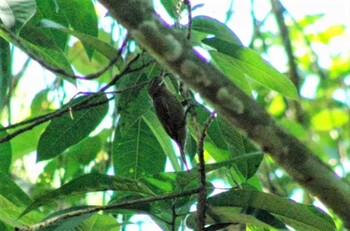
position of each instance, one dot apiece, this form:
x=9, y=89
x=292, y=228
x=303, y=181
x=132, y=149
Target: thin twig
x=202, y=194
x=95, y=209
x=44, y=118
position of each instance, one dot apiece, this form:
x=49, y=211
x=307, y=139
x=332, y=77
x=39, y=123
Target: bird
x=170, y=113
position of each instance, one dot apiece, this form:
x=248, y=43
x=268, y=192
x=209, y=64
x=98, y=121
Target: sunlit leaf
x=250, y=64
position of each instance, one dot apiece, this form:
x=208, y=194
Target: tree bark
x=171, y=48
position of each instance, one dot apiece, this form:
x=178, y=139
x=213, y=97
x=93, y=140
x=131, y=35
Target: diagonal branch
x=171, y=49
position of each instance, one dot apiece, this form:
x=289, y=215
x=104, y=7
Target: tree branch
x=95, y=209
x=171, y=49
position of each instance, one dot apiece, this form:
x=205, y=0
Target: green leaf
x=82, y=17
x=214, y=27
x=12, y=192
x=15, y=14
x=9, y=213
x=70, y=128
x=92, y=182
x=100, y=222
x=85, y=151
x=48, y=10
x=104, y=48
x=239, y=146
x=250, y=64
x=137, y=152
x=5, y=71
x=298, y=216
x=5, y=154
x=44, y=52
x=163, y=138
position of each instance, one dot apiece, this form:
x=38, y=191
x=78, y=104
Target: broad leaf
x=9, y=214
x=50, y=55
x=249, y=63
x=163, y=138
x=12, y=192
x=137, y=152
x=298, y=216
x=212, y=26
x=70, y=128
x=81, y=15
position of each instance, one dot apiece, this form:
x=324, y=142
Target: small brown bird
x=170, y=113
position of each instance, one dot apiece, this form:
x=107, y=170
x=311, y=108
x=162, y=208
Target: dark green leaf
x=137, y=152
x=81, y=15
x=298, y=216
x=85, y=151
x=5, y=71
x=70, y=128
x=12, y=192
x=5, y=154
x=48, y=10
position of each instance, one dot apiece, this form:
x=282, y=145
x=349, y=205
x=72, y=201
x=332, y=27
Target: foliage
x=101, y=147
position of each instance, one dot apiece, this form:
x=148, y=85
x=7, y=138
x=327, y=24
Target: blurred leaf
x=9, y=214
x=294, y=128
x=12, y=192
x=40, y=103
x=252, y=65
x=298, y=216
x=14, y=14
x=82, y=17
x=5, y=70
x=329, y=119
x=70, y=128
x=277, y=106
x=85, y=151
